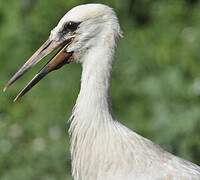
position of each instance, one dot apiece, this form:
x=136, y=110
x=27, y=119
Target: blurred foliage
x=157, y=65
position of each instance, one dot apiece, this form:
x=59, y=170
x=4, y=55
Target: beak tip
x=16, y=99
x=5, y=88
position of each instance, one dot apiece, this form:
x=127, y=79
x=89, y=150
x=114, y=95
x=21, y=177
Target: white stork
x=101, y=147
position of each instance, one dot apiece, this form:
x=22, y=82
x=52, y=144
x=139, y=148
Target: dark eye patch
x=71, y=26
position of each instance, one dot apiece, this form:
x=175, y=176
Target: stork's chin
x=61, y=58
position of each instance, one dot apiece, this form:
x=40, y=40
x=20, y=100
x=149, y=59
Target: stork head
x=80, y=30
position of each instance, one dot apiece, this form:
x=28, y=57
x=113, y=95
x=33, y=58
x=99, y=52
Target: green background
x=155, y=84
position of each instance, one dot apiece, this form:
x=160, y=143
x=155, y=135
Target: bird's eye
x=71, y=26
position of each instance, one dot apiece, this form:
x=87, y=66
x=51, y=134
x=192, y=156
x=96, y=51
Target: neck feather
x=91, y=115
x=92, y=105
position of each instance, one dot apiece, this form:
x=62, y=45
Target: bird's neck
x=92, y=105
x=91, y=116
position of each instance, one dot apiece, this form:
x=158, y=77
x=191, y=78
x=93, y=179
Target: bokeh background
x=155, y=85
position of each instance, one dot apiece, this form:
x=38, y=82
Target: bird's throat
x=93, y=100
x=91, y=114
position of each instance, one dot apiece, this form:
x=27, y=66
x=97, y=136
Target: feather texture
x=101, y=147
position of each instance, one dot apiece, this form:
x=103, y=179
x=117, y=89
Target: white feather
x=101, y=147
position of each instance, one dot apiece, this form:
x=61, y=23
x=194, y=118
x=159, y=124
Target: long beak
x=62, y=57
